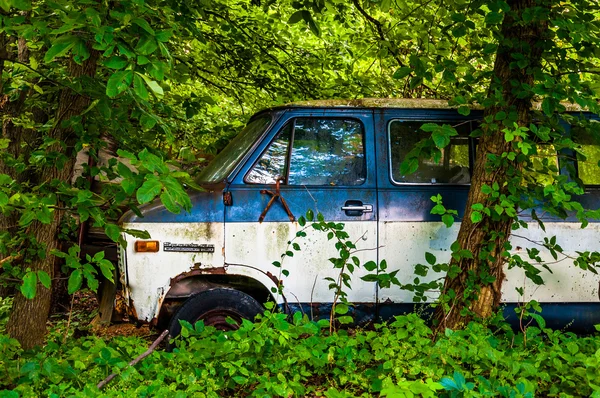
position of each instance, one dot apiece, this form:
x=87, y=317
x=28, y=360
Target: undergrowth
x=277, y=356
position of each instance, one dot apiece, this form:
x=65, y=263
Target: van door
x=407, y=229
x=312, y=159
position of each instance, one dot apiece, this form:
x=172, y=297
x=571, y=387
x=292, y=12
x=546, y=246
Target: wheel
x=214, y=307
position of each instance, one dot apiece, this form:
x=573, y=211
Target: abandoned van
x=341, y=159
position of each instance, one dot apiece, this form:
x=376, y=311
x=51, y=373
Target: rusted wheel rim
x=218, y=319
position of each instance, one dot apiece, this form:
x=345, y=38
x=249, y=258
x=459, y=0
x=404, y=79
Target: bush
x=277, y=357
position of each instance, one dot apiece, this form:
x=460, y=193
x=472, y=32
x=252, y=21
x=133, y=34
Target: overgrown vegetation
x=297, y=357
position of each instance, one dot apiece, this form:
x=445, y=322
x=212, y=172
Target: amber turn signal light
x=146, y=246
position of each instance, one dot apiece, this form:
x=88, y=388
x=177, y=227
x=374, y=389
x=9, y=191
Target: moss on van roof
x=375, y=103
x=407, y=103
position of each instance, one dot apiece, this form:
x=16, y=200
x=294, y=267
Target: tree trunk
x=27, y=322
x=470, y=298
x=16, y=134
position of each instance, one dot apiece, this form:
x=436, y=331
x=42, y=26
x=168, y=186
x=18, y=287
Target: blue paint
x=573, y=317
x=390, y=201
x=207, y=206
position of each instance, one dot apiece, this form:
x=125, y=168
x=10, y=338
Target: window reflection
x=453, y=166
x=324, y=152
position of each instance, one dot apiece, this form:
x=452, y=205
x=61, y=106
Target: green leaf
x=75, y=281
x=113, y=232
x=147, y=122
x=341, y=309
x=118, y=82
x=140, y=88
x=116, y=62
x=402, y=72
x=448, y=220
x=476, y=217
x=106, y=267
x=169, y=202
x=45, y=279
x=59, y=49
x=148, y=191
x=28, y=288
x=154, y=86
x=146, y=45
x=430, y=258
x=370, y=265
x=142, y=23
x=493, y=18
x=295, y=17
x=440, y=138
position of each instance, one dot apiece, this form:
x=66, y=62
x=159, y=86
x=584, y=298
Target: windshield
x=228, y=158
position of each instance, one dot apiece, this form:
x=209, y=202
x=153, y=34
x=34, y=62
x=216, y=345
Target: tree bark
x=470, y=297
x=16, y=134
x=27, y=322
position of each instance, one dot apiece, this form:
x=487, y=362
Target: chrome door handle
x=363, y=208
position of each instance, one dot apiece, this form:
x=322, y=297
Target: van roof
x=417, y=103
x=406, y=103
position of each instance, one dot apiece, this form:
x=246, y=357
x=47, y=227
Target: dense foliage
x=280, y=357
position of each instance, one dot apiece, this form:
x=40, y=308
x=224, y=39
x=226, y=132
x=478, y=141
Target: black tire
x=214, y=307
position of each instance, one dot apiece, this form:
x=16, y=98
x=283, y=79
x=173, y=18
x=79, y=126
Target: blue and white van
x=342, y=159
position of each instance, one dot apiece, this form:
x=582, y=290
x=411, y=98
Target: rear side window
x=314, y=151
x=452, y=168
x=589, y=158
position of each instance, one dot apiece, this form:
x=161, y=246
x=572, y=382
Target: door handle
x=363, y=208
x=356, y=208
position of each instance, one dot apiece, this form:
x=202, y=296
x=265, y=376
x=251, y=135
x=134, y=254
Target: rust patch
x=273, y=278
x=196, y=270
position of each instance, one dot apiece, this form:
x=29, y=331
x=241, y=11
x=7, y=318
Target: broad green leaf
x=115, y=62
x=118, y=82
x=476, y=217
x=402, y=72
x=430, y=258
x=341, y=309
x=493, y=18
x=112, y=231
x=140, y=89
x=75, y=281
x=59, y=49
x=106, y=267
x=45, y=279
x=146, y=45
x=28, y=288
x=169, y=202
x=147, y=122
x=148, y=191
x=142, y=23
x=295, y=17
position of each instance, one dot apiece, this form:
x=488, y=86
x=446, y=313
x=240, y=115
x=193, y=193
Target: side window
x=587, y=164
x=324, y=151
x=452, y=167
x=271, y=165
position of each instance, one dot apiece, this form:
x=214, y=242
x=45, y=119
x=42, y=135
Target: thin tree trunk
x=481, y=299
x=27, y=322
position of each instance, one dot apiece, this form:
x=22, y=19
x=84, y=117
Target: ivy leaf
x=75, y=281
x=148, y=191
x=28, y=288
x=476, y=217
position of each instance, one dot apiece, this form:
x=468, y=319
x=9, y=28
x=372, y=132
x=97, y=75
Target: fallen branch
x=149, y=351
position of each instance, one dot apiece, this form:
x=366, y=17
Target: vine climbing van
x=342, y=160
